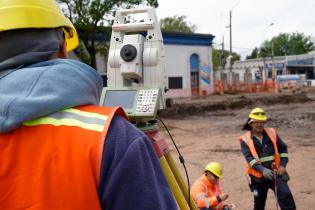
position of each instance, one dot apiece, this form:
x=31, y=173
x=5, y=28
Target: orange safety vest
x=54, y=162
x=247, y=139
x=205, y=194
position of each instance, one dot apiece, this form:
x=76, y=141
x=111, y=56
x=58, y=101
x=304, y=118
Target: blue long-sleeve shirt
x=264, y=149
x=131, y=176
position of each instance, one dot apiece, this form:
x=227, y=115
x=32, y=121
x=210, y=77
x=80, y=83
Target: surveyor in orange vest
x=267, y=157
x=58, y=149
x=206, y=191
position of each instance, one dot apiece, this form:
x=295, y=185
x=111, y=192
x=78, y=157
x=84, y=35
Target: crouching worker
x=206, y=191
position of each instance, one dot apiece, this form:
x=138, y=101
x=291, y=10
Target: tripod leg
x=179, y=179
x=181, y=201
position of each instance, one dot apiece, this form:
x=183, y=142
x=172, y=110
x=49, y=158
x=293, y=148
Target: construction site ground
x=207, y=129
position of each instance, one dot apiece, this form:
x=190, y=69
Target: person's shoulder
x=123, y=137
x=270, y=129
x=71, y=63
x=74, y=63
x=244, y=134
x=122, y=127
x=68, y=63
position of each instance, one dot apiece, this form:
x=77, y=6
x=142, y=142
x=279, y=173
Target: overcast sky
x=250, y=19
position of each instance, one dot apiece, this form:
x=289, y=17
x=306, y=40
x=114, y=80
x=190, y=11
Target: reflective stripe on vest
x=204, y=195
x=72, y=117
x=54, y=162
x=246, y=138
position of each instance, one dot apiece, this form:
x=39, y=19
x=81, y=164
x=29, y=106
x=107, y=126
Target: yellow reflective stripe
x=67, y=122
x=86, y=114
x=284, y=155
x=252, y=162
x=207, y=202
x=218, y=206
x=200, y=196
x=268, y=158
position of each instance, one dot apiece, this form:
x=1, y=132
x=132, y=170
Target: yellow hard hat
x=215, y=168
x=258, y=114
x=18, y=14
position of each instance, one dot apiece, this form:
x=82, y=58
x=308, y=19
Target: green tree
x=89, y=18
x=254, y=54
x=177, y=24
x=286, y=44
x=218, y=57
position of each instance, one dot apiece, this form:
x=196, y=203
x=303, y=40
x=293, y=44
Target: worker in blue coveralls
x=59, y=150
x=267, y=157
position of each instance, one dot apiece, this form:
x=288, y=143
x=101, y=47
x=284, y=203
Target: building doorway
x=194, y=74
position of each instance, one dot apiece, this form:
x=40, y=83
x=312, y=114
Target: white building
x=260, y=68
x=188, y=64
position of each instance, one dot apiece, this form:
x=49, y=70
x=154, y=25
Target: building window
x=175, y=82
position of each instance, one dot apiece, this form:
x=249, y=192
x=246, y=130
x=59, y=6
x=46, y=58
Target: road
x=207, y=129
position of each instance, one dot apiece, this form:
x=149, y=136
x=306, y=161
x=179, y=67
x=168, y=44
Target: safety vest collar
x=272, y=134
x=247, y=138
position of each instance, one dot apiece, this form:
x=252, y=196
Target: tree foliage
x=254, y=54
x=89, y=18
x=177, y=24
x=285, y=44
x=219, y=59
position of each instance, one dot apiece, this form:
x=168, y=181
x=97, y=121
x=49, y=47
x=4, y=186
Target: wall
x=254, y=65
x=178, y=65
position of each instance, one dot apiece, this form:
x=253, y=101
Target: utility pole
x=274, y=72
x=229, y=59
x=222, y=54
x=264, y=69
x=230, y=26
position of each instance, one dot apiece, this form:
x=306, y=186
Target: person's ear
x=62, y=53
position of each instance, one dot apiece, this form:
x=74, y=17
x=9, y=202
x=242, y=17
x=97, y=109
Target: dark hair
x=206, y=171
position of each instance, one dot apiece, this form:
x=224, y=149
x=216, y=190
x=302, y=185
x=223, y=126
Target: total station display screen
x=123, y=98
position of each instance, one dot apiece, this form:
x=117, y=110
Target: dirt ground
x=207, y=129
